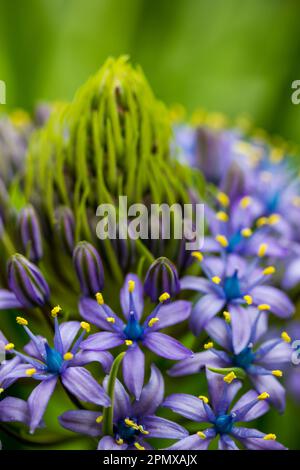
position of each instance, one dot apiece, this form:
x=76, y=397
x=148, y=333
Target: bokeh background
x=224, y=55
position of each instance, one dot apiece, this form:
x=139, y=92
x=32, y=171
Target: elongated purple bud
x=65, y=226
x=89, y=269
x=161, y=277
x=31, y=233
x=27, y=282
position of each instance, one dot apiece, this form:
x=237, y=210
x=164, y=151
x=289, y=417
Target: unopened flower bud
x=65, y=226
x=89, y=269
x=31, y=233
x=161, y=277
x=27, y=282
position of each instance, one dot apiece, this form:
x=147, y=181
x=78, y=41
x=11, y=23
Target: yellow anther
x=55, y=311
x=277, y=373
x=209, y=345
x=245, y=202
x=9, y=346
x=163, y=297
x=286, y=338
x=296, y=201
x=227, y=316
x=68, y=356
x=131, y=286
x=197, y=255
x=143, y=431
x=152, y=321
x=201, y=435
x=110, y=319
x=99, y=419
x=264, y=307
x=138, y=446
x=246, y=232
x=203, y=398
x=1, y=390
x=270, y=437
x=99, y=298
x=248, y=299
x=274, y=219
x=85, y=326
x=30, y=372
x=262, y=221
x=131, y=424
x=21, y=321
x=276, y=155
x=262, y=250
x=222, y=216
x=128, y=342
x=222, y=240
x=223, y=199
x=263, y=396
x=229, y=377
x=269, y=270
x=119, y=442
x=216, y=279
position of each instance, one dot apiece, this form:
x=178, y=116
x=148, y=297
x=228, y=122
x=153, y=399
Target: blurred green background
x=225, y=55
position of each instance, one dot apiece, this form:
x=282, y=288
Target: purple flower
x=27, y=283
x=133, y=421
x=89, y=269
x=232, y=282
x=15, y=410
x=6, y=366
x=64, y=360
x=161, y=277
x=223, y=417
x=239, y=335
x=133, y=332
x=31, y=233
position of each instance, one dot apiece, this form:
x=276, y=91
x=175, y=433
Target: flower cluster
x=221, y=315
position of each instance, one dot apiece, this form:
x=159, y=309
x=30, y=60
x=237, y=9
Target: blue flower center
x=223, y=424
x=133, y=330
x=272, y=202
x=234, y=241
x=232, y=286
x=54, y=360
x=125, y=432
x=244, y=359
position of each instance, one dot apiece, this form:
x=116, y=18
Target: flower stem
x=108, y=413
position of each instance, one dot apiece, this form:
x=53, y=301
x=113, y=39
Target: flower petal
x=193, y=365
x=137, y=295
x=164, y=428
x=221, y=394
x=259, y=409
x=193, y=442
x=152, y=394
x=122, y=403
x=38, y=401
x=241, y=322
x=14, y=410
x=226, y=443
x=218, y=331
x=199, y=284
x=268, y=383
x=86, y=357
x=81, y=421
x=171, y=314
x=204, y=310
x=134, y=370
x=68, y=331
x=80, y=383
x=166, y=346
x=96, y=314
x=279, y=302
x=108, y=443
x=186, y=405
x=102, y=341
x=8, y=300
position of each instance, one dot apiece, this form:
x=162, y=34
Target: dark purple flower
x=223, y=417
x=231, y=282
x=27, y=282
x=31, y=233
x=65, y=226
x=133, y=332
x=161, y=277
x=89, y=269
x=133, y=421
x=64, y=360
x=239, y=335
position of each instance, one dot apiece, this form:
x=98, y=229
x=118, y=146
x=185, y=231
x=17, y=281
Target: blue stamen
x=244, y=359
x=232, y=286
x=54, y=360
x=234, y=241
x=133, y=330
x=223, y=424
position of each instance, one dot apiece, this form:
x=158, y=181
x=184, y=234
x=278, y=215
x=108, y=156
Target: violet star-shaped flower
x=222, y=417
x=65, y=360
x=262, y=362
x=133, y=421
x=229, y=283
x=133, y=332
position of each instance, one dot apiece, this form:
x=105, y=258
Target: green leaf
x=108, y=413
x=240, y=373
